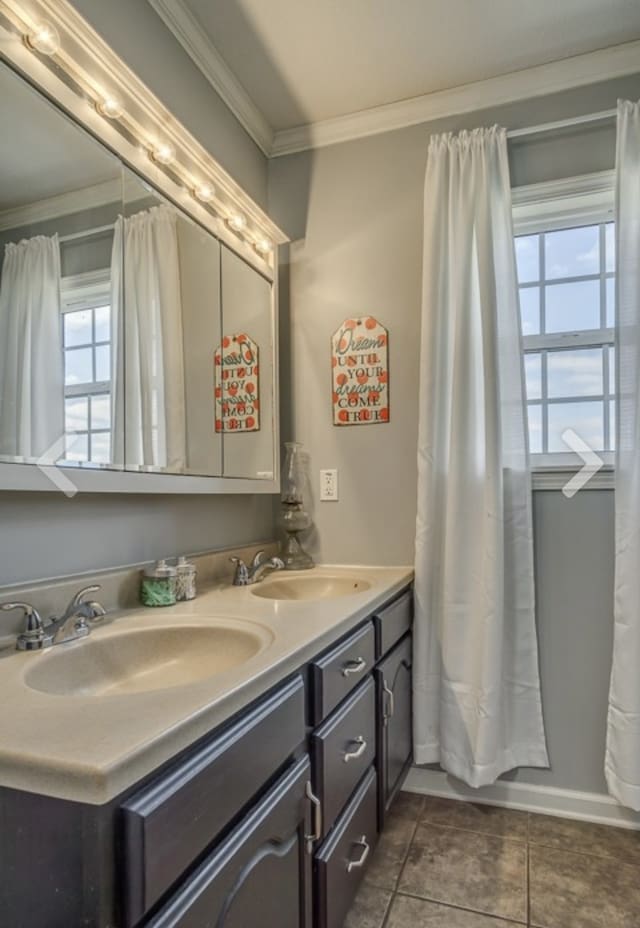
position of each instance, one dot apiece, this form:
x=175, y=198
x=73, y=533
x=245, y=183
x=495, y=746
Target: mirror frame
x=77, y=78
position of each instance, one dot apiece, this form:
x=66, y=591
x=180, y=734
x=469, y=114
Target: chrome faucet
x=75, y=622
x=247, y=576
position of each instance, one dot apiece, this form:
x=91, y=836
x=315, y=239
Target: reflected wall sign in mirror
x=113, y=304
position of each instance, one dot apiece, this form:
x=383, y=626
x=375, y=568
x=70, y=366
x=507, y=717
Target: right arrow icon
x=592, y=463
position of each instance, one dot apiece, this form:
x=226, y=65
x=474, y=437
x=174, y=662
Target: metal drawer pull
x=356, y=864
x=356, y=666
x=317, y=818
x=391, y=703
x=354, y=755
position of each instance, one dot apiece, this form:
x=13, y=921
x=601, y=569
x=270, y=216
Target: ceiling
x=305, y=61
x=42, y=153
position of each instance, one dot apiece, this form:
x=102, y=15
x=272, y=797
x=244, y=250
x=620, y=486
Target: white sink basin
x=297, y=588
x=145, y=659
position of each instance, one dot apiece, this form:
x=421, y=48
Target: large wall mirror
x=131, y=339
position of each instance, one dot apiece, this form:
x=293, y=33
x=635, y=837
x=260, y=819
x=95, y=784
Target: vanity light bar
x=43, y=38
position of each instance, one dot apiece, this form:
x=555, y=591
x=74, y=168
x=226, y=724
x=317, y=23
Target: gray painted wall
x=44, y=535
x=354, y=212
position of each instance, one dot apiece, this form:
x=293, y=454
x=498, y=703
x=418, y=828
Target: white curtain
x=31, y=355
x=148, y=395
x=477, y=705
x=623, y=734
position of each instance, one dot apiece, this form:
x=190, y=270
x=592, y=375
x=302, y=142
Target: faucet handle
x=34, y=636
x=79, y=598
x=33, y=622
x=257, y=560
x=241, y=577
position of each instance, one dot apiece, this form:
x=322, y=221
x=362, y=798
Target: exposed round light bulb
x=263, y=246
x=44, y=38
x=163, y=153
x=237, y=222
x=204, y=193
x=110, y=107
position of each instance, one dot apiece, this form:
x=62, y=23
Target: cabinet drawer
x=260, y=875
x=168, y=823
x=392, y=622
x=337, y=672
x=342, y=858
x=342, y=748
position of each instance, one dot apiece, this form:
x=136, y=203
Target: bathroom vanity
x=266, y=819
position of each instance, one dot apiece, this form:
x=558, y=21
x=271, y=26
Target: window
x=86, y=327
x=566, y=269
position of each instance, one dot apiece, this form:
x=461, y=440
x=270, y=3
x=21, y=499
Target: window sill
x=556, y=478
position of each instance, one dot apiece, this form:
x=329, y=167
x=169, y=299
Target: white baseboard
x=546, y=800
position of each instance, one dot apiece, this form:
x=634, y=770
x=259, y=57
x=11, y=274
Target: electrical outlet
x=329, y=486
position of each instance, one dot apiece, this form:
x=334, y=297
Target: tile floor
x=447, y=864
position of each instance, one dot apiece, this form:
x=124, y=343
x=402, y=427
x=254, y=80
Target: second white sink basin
x=310, y=587
x=146, y=659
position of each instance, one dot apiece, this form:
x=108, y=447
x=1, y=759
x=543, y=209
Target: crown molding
x=63, y=204
x=568, y=73
x=191, y=35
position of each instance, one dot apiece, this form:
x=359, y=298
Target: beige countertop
x=90, y=748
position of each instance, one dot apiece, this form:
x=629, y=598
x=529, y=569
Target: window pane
x=77, y=328
x=610, y=247
x=76, y=447
x=533, y=373
x=611, y=302
x=103, y=324
x=572, y=307
x=612, y=370
x=103, y=363
x=528, y=258
x=578, y=372
x=586, y=419
x=535, y=429
x=612, y=425
x=101, y=411
x=101, y=447
x=78, y=366
x=572, y=252
x=76, y=414
x=530, y=310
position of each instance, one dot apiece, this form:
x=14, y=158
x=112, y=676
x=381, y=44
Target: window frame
x=78, y=292
x=547, y=207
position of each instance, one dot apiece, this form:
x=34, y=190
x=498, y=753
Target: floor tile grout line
x=472, y=831
x=461, y=908
x=570, y=850
x=406, y=855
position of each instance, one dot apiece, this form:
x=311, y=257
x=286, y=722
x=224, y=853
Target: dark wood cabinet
x=168, y=823
x=395, y=740
x=261, y=875
x=264, y=823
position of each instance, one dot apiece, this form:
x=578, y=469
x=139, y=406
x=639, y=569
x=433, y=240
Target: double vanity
x=226, y=762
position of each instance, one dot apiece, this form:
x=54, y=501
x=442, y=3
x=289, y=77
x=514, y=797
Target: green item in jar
x=158, y=592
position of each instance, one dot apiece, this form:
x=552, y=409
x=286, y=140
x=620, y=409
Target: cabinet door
x=260, y=875
x=395, y=742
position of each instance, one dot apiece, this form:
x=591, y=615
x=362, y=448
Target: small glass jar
x=186, y=587
x=159, y=585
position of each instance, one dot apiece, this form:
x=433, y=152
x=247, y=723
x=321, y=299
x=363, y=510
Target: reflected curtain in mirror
x=31, y=358
x=148, y=399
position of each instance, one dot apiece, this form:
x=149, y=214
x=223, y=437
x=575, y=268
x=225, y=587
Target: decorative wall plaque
x=237, y=384
x=360, y=372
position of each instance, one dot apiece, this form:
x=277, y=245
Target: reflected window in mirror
x=86, y=324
